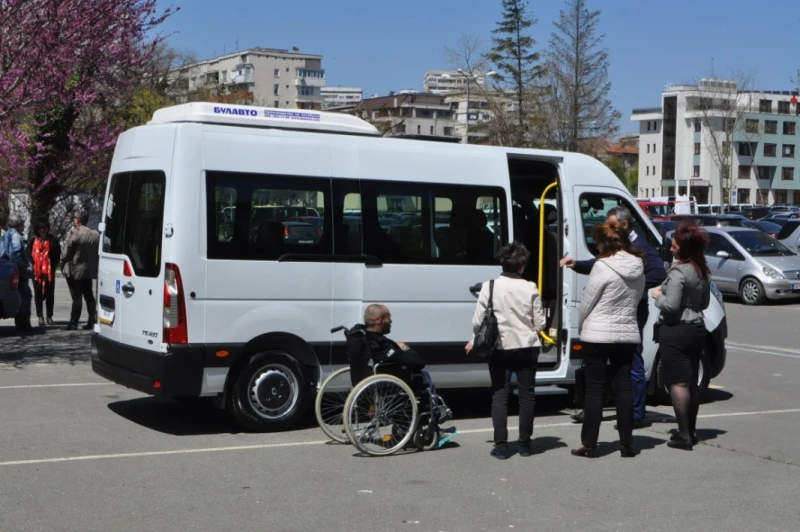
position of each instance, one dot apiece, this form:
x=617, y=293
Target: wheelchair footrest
x=445, y=436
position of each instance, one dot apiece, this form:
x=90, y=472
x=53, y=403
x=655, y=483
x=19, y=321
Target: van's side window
x=271, y=216
x=594, y=210
x=135, y=218
x=410, y=223
x=347, y=223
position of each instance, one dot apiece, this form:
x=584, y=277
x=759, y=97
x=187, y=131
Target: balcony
x=310, y=82
x=647, y=110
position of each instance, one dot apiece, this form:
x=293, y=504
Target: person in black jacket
x=378, y=321
x=654, y=274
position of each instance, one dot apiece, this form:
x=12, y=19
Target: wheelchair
x=380, y=407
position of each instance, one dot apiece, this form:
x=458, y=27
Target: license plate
x=796, y=286
x=106, y=317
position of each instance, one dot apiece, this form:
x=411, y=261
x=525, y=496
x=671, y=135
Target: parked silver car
x=752, y=265
x=789, y=235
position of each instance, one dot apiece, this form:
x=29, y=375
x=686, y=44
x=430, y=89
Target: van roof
x=266, y=117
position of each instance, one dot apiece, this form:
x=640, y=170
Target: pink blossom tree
x=66, y=68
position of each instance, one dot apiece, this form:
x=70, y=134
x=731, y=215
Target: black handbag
x=486, y=336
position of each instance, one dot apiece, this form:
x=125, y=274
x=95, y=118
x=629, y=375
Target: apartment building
x=259, y=76
x=333, y=97
x=409, y=114
x=447, y=81
x=684, y=144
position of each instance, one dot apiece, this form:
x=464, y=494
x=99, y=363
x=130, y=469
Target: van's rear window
x=135, y=218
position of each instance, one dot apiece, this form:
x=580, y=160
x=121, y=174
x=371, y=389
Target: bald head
x=377, y=318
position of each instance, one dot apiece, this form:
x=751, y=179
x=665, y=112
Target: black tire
x=751, y=292
x=270, y=393
x=704, y=378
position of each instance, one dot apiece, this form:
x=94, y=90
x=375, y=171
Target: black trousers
x=44, y=295
x=502, y=364
x=81, y=289
x=596, y=358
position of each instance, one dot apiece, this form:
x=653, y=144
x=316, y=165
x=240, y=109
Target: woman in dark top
x=681, y=300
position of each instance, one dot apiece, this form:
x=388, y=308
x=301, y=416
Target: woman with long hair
x=681, y=331
x=609, y=333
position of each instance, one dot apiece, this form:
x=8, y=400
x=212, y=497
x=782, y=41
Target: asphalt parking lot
x=79, y=453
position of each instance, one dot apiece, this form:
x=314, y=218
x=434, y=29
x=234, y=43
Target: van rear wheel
x=270, y=393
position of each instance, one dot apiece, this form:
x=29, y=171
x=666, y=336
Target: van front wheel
x=270, y=393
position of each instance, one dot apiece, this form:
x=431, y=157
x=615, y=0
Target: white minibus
x=234, y=238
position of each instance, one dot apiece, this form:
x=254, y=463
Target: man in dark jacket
x=79, y=266
x=378, y=321
x=654, y=274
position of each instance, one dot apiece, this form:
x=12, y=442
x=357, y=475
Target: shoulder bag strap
x=490, y=306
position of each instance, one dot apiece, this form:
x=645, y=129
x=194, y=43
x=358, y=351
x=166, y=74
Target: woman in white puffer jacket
x=609, y=333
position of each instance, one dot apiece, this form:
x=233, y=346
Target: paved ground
x=78, y=453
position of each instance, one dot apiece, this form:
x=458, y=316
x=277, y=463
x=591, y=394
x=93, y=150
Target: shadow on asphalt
x=51, y=344
x=640, y=443
x=715, y=396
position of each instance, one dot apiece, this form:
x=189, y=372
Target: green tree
x=577, y=65
x=515, y=58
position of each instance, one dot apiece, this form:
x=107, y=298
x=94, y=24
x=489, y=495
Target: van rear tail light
x=15, y=280
x=175, y=329
x=126, y=269
x=285, y=230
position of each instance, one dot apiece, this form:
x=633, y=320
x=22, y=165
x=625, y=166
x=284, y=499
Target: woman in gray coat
x=681, y=300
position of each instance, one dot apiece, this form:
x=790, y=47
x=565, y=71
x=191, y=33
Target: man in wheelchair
x=383, y=351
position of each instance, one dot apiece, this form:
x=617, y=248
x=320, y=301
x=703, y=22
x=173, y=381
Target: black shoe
x=584, y=451
x=627, y=451
x=578, y=418
x=676, y=436
x=525, y=449
x=681, y=444
x=88, y=327
x=500, y=453
x=71, y=327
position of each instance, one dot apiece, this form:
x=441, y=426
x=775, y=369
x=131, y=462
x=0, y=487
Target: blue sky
x=381, y=45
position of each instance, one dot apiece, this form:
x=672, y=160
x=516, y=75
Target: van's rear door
x=131, y=273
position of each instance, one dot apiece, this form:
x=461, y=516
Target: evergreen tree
x=516, y=60
x=578, y=104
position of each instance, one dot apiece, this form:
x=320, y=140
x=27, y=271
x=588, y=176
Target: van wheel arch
x=276, y=341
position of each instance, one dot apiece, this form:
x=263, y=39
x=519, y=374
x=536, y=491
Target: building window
x=648, y=148
x=730, y=124
x=787, y=173
x=765, y=172
x=770, y=150
x=746, y=149
x=765, y=106
x=788, y=150
x=419, y=130
x=789, y=128
x=305, y=91
x=654, y=148
x=647, y=170
x=744, y=171
x=696, y=171
x=277, y=73
x=751, y=125
x=448, y=131
x=431, y=130
x=744, y=195
x=697, y=148
x=697, y=125
x=276, y=89
x=654, y=170
x=648, y=125
x=783, y=108
x=771, y=126
x=276, y=103
x=779, y=197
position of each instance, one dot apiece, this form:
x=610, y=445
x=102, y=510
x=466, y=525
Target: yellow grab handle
x=547, y=189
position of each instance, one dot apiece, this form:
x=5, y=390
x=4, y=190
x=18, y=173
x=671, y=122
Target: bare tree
x=721, y=107
x=468, y=53
x=577, y=66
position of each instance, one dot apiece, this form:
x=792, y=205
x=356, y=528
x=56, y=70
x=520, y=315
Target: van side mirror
x=723, y=254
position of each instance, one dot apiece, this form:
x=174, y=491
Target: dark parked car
x=756, y=213
x=710, y=220
x=10, y=298
x=770, y=228
x=300, y=233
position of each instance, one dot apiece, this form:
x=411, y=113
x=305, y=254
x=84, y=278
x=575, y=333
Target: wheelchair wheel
x=329, y=406
x=424, y=442
x=381, y=415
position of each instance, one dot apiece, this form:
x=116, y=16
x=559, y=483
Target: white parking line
x=767, y=347
x=62, y=385
x=754, y=350
x=316, y=442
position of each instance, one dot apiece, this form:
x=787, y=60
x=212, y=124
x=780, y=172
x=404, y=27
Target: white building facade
x=447, y=81
x=682, y=144
x=340, y=96
x=260, y=76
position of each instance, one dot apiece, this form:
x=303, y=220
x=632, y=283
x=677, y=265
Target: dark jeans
x=638, y=384
x=596, y=357
x=81, y=289
x=44, y=295
x=502, y=364
x=23, y=317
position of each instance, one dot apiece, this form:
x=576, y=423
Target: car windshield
x=760, y=244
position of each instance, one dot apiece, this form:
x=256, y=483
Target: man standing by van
x=79, y=266
x=654, y=274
